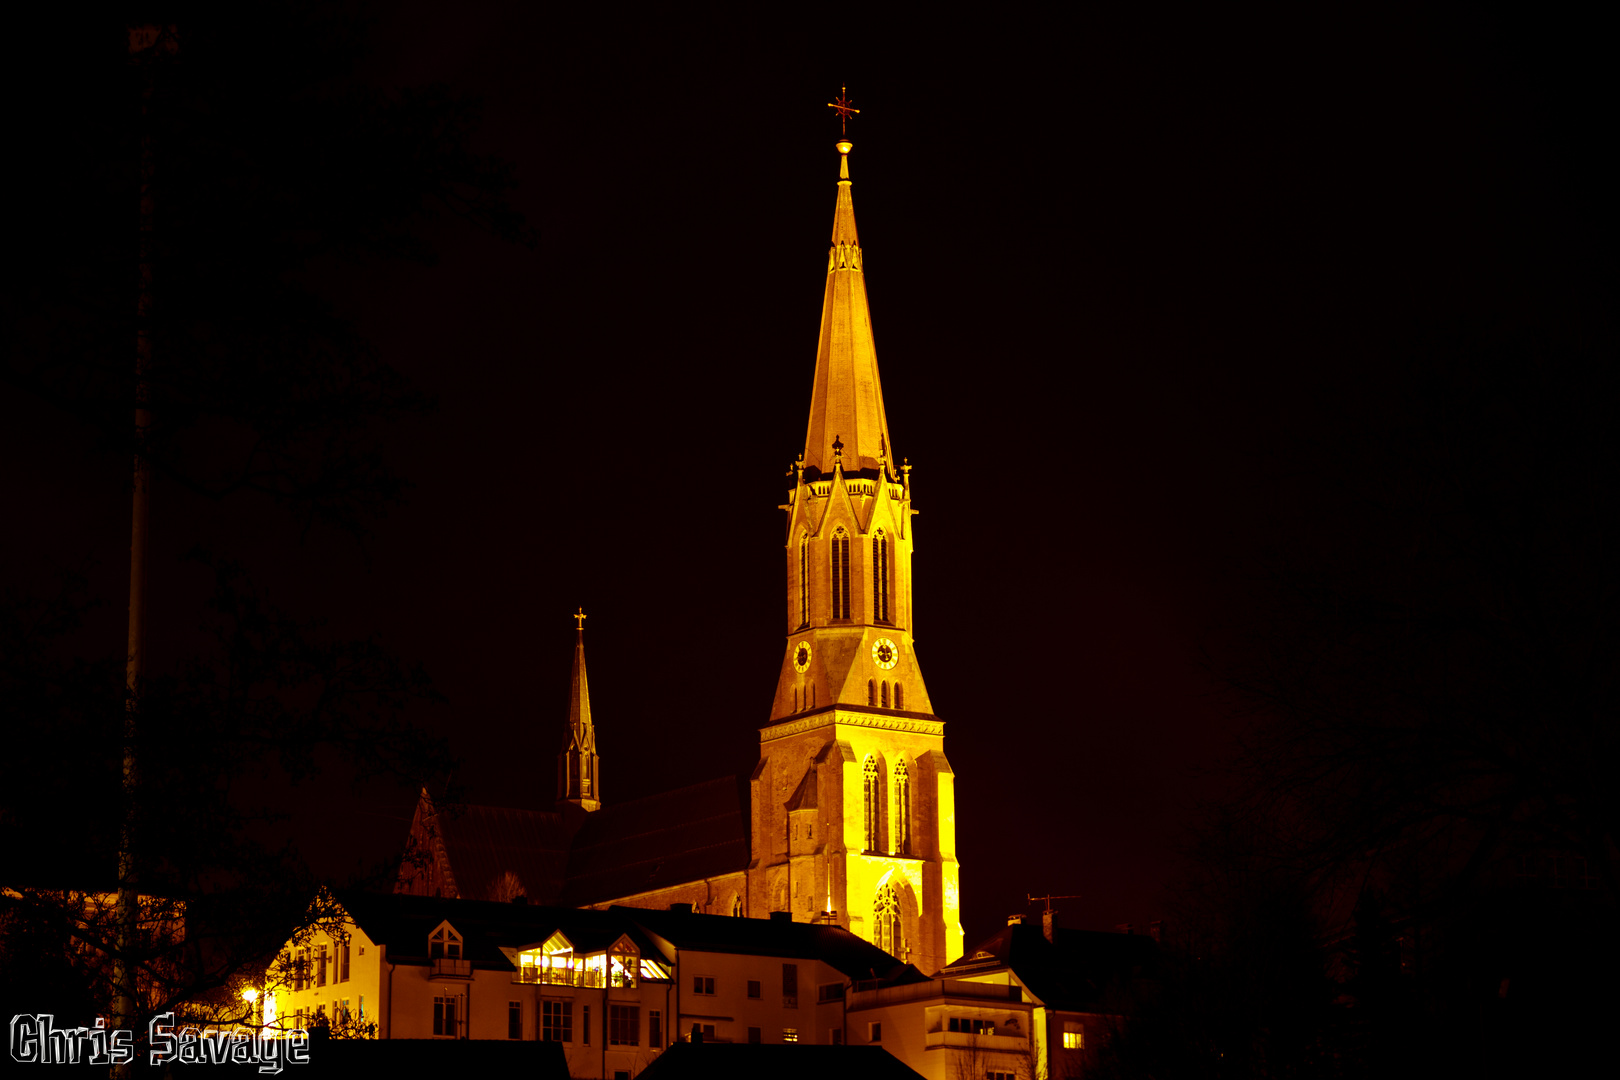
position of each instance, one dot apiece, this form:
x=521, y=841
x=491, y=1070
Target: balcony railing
x=1001, y=1041
x=446, y=967
x=565, y=977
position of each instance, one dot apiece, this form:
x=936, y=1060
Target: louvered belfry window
x=804, y=581
x=840, y=575
x=880, y=578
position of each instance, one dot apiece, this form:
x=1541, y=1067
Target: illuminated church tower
x=578, y=782
x=853, y=801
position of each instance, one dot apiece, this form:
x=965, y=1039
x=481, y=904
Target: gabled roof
x=683, y=835
x=833, y=945
x=1081, y=971
x=402, y=924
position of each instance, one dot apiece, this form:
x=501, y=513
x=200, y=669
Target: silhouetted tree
x=1433, y=672
x=261, y=164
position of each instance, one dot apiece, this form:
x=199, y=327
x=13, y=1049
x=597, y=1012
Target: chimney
x=1015, y=920
x=1048, y=927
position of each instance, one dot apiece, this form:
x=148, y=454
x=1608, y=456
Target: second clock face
x=801, y=656
x=885, y=653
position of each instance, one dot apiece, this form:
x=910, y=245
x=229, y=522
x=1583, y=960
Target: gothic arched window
x=899, y=697
x=874, y=802
x=804, y=581
x=736, y=907
x=886, y=921
x=902, y=809
x=871, y=691
x=840, y=575
x=885, y=695
x=880, y=577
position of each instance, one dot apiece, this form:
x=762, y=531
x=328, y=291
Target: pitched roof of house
x=832, y=945
x=691, y=833
x=1079, y=971
x=402, y=924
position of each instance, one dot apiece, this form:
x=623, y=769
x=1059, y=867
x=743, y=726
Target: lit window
x=1074, y=1037
x=790, y=1034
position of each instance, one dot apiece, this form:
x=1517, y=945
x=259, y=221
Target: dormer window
x=552, y=961
x=444, y=943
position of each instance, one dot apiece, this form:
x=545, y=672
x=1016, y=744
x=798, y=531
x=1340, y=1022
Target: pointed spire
x=579, y=693
x=578, y=778
x=847, y=400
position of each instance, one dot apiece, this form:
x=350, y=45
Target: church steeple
x=578, y=781
x=846, y=404
x=853, y=800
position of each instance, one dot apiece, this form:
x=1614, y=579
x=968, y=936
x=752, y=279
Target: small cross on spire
x=579, y=621
x=840, y=105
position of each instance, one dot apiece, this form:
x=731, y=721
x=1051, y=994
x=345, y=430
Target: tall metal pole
x=145, y=45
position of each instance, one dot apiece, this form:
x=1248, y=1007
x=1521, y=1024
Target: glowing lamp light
x=845, y=146
x=250, y=995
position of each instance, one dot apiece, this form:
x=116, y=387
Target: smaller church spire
x=577, y=765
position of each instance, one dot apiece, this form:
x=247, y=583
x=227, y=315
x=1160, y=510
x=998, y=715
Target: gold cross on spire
x=840, y=105
x=579, y=620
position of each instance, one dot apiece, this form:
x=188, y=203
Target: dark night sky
x=1115, y=270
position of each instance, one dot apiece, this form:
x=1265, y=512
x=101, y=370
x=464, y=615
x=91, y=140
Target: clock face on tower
x=885, y=654
x=801, y=656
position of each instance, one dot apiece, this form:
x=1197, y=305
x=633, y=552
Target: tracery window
x=885, y=695
x=873, y=802
x=880, y=577
x=840, y=575
x=886, y=920
x=899, y=697
x=871, y=691
x=902, y=809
